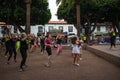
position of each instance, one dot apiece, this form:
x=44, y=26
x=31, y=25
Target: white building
x=52, y=26
x=101, y=29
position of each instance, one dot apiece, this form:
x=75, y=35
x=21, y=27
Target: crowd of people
x=15, y=43
x=21, y=43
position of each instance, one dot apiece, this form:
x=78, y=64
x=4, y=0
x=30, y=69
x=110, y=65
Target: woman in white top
x=76, y=50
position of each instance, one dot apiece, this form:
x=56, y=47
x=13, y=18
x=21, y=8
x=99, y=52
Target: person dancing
x=59, y=43
x=23, y=51
x=12, y=48
x=76, y=50
x=42, y=38
x=112, y=37
x=48, y=44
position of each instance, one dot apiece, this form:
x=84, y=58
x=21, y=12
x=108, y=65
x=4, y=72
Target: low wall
x=109, y=57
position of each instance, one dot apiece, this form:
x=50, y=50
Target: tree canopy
x=13, y=12
x=92, y=11
x=40, y=14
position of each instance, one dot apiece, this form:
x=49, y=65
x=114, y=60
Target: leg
x=31, y=49
x=7, y=50
x=10, y=55
x=78, y=57
x=49, y=55
x=58, y=48
x=42, y=48
x=24, y=56
x=114, y=40
x=77, y=60
x=74, y=61
x=15, y=54
x=111, y=42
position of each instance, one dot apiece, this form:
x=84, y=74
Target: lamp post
x=28, y=4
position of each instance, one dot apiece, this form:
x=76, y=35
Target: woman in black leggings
x=7, y=43
x=23, y=50
x=42, y=38
x=12, y=48
x=112, y=38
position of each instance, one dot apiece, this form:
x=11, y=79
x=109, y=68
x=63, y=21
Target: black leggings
x=7, y=49
x=24, y=57
x=11, y=51
x=113, y=41
x=42, y=47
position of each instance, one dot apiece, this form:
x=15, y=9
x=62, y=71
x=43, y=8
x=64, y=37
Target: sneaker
x=80, y=59
x=20, y=70
x=25, y=66
x=77, y=64
x=15, y=61
x=47, y=65
x=41, y=52
x=6, y=56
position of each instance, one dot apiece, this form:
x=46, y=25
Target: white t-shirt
x=76, y=49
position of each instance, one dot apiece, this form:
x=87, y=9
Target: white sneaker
x=77, y=64
x=80, y=59
x=47, y=65
x=41, y=52
x=21, y=70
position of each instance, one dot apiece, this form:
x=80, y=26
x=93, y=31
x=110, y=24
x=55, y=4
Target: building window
x=70, y=29
x=107, y=29
x=50, y=28
x=61, y=28
x=40, y=29
x=98, y=28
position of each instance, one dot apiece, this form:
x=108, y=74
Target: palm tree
x=78, y=16
x=71, y=4
x=27, y=30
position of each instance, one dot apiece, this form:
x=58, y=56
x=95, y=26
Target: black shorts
x=49, y=51
x=43, y=46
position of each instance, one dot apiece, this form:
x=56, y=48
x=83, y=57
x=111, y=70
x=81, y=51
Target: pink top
x=48, y=41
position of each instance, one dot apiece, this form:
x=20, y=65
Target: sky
x=53, y=8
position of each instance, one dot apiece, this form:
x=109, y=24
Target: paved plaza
x=91, y=67
x=106, y=48
x=104, y=51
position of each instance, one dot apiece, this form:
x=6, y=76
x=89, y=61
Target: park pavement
x=112, y=55
x=91, y=67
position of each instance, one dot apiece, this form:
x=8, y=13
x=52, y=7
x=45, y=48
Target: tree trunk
x=116, y=24
x=27, y=29
x=78, y=17
x=118, y=28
